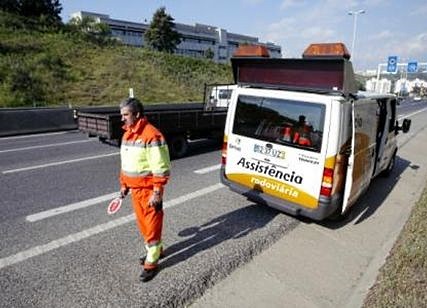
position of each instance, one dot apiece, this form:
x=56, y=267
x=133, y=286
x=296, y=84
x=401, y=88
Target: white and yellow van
x=299, y=136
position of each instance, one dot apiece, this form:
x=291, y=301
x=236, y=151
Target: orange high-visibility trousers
x=149, y=221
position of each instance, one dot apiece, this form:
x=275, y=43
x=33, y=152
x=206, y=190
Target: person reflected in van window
x=303, y=129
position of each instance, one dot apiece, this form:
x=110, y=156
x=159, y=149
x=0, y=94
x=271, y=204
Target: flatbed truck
x=178, y=122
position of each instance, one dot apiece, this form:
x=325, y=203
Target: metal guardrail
x=18, y=121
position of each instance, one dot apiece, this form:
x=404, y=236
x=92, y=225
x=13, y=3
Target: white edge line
x=72, y=238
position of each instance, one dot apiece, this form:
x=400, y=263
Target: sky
x=386, y=28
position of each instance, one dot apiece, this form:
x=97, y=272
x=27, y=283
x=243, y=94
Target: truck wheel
x=387, y=172
x=178, y=146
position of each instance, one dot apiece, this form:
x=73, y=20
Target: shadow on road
x=374, y=197
x=233, y=225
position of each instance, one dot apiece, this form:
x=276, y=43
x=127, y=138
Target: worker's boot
x=148, y=274
x=142, y=259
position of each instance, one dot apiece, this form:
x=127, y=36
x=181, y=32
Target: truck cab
x=218, y=96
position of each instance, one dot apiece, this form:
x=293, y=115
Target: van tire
x=178, y=146
x=387, y=172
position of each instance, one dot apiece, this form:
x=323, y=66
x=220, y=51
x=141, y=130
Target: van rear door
x=277, y=144
x=361, y=162
x=350, y=167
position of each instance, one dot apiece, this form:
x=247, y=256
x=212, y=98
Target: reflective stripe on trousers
x=153, y=254
x=149, y=221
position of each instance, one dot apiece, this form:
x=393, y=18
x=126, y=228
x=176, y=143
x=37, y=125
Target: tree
x=209, y=54
x=47, y=11
x=89, y=25
x=161, y=35
x=11, y=6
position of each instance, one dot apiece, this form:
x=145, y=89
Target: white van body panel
x=355, y=145
x=290, y=173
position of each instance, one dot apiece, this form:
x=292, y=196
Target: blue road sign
x=412, y=67
x=392, y=64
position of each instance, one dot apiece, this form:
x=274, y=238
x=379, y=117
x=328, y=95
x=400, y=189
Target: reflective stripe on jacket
x=144, y=156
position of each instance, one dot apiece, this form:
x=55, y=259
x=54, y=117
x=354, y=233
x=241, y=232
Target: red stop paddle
x=114, y=205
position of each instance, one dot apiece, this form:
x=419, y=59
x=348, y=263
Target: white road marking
x=193, y=195
x=45, y=146
x=411, y=114
x=38, y=250
x=33, y=135
x=70, y=207
x=208, y=169
x=72, y=238
x=59, y=163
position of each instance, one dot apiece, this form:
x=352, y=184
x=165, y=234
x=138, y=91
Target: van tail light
x=224, y=153
x=327, y=180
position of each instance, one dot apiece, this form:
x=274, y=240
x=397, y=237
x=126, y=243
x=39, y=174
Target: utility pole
x=354, y=14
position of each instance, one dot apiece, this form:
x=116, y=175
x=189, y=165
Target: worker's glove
x=156, y=200
x=123, y=192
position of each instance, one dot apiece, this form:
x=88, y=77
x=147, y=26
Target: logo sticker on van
x=308, y=159
x=269, y=151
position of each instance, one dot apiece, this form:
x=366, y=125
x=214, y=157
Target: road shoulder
x=330, y=264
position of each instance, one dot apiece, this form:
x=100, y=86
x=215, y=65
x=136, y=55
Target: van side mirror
x=405, y=126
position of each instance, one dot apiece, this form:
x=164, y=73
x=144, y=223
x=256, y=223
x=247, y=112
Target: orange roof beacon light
x=251, y=51
x=326, y=50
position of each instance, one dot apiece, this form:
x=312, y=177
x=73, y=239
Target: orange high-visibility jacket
x=145, y=161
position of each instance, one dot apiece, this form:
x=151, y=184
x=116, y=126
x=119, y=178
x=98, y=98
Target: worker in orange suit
x=303, y=132
x=145, y=169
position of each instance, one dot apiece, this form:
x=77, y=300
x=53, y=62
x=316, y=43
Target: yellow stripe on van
x=275, y=188
x=330, y=162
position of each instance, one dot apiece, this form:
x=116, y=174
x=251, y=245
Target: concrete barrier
x=17, y=121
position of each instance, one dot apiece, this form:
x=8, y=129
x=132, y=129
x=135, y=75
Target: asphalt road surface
x=60, y=248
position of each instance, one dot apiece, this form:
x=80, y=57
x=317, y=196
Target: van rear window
x=293, y=123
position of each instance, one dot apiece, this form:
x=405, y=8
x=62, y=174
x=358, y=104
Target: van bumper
x=325, y=208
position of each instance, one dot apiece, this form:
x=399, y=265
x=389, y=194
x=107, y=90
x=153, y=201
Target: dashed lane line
x=45, y=146
x=34, y=135
x=72, y=238
x=411, y=114
x=70, y=207
x=58, y=163
x=208, y=169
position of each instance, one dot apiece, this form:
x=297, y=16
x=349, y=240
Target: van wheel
x=387, y=172
x=178, y=146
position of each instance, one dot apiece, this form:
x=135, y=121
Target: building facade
x=381, y=86
x=196, y=40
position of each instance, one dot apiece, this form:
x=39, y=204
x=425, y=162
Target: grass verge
x=402, y=281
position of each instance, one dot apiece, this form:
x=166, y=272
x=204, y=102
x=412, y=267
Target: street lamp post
x=354, y=14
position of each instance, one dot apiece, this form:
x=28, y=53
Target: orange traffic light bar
x=326, y=50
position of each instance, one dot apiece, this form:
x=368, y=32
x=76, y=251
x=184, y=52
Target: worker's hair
x=133, y=104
